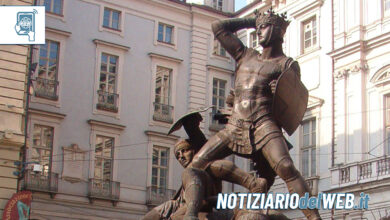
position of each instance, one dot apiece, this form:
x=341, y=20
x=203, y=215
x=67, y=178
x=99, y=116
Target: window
x=104, y=149
x=309, y=34
x=218, y=49
x=218, y=101
x=162, y=108
x=43, y=147
x=160, y=169
x=253, y=40
x=111, y=19
x=54, y=6
x=107, y=93
x=217, y=4
x=386, y=6
x=46, y=81
x=308, y=148
x=165, y=33
x=387, y=123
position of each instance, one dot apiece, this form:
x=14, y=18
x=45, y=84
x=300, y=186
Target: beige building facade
x=13, y=68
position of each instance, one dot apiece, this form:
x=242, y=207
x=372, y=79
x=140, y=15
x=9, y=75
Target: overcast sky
x=239, y=4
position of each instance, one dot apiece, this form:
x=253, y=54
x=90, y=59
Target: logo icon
x=25, y=24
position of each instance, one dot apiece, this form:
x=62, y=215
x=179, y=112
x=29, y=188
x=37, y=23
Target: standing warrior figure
x=253, y=131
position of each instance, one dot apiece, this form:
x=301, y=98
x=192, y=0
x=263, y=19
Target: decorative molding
x=161, y=135
x=109, y=44
x=308, y=7
x=381, y=76
x=160, y=56
x=343, y=73
x=314, y=102
x=59, y=32
x=73, y=163
x=52, y=115
x=219, y=69
x=95, y=123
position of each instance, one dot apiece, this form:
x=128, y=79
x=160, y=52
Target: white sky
x=239, y=4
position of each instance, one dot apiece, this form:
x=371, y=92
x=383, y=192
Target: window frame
x=222, y=74
x=48, y=43
x=253, y=35
x=110, y=19
x=99, y=128
x=50, y=162
x=173, y=43
x=52, y=14
x=386, y=13
x=218, y=5
x=313, y=45
x=169, y=63
x=102, y=157
x=159, y=166
x=386, y=123
x=217, y=49
x=310, y=148
x=48, y=119
x=57, y=36
x=103, y=47
x=121, y=25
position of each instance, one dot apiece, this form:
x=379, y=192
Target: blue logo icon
x=25, y=24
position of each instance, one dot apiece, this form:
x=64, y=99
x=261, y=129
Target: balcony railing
x=156, y=196
x=214, y=124
x=40, y=182
x=107, y=101
x=383, y=167
x=163, y=112
x=365, y=170
x=46, y=88
x=100, y=189
x=361, y=172
x=312, y=182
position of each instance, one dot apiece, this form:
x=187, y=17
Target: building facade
x=107, y=88
x=13, y=68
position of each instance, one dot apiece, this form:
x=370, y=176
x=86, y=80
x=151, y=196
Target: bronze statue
x=197, y=195
x=254, y=130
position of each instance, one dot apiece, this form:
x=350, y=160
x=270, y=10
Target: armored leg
x=214, y=149
x=228, y=171
x=194, y=184
x=276, y=153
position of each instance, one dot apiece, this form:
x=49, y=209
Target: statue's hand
x=272, y=84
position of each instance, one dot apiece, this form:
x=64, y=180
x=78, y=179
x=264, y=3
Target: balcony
x=312, y=182
x=46, y=88
x=361, y=172
x=39, y=182
x=155, y=196
x=107, y=101
x=100, y=189
x=163, y=112
x=214, y=125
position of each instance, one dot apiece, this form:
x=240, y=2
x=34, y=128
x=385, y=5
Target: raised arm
x=224, y=31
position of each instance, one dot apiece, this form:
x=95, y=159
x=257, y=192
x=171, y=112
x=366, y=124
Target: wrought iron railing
x=156, y=196
x=163, y=112
x=312, y=183
x=107, y=101
x=46, y=88
x=364, y=171
x=36, y=181
x=100, y=189
x=214, y=124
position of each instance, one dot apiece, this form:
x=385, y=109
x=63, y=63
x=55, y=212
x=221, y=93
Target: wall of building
x=13, y=68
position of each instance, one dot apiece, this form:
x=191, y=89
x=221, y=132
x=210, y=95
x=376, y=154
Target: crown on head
x=270, y=17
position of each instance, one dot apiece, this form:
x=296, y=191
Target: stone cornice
x=53, y=115
x=161, y=135
x=117, y=127
x=219, y=69
x=109, y=44
x=59, y=32
x=160, y=56
x=347, y=50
